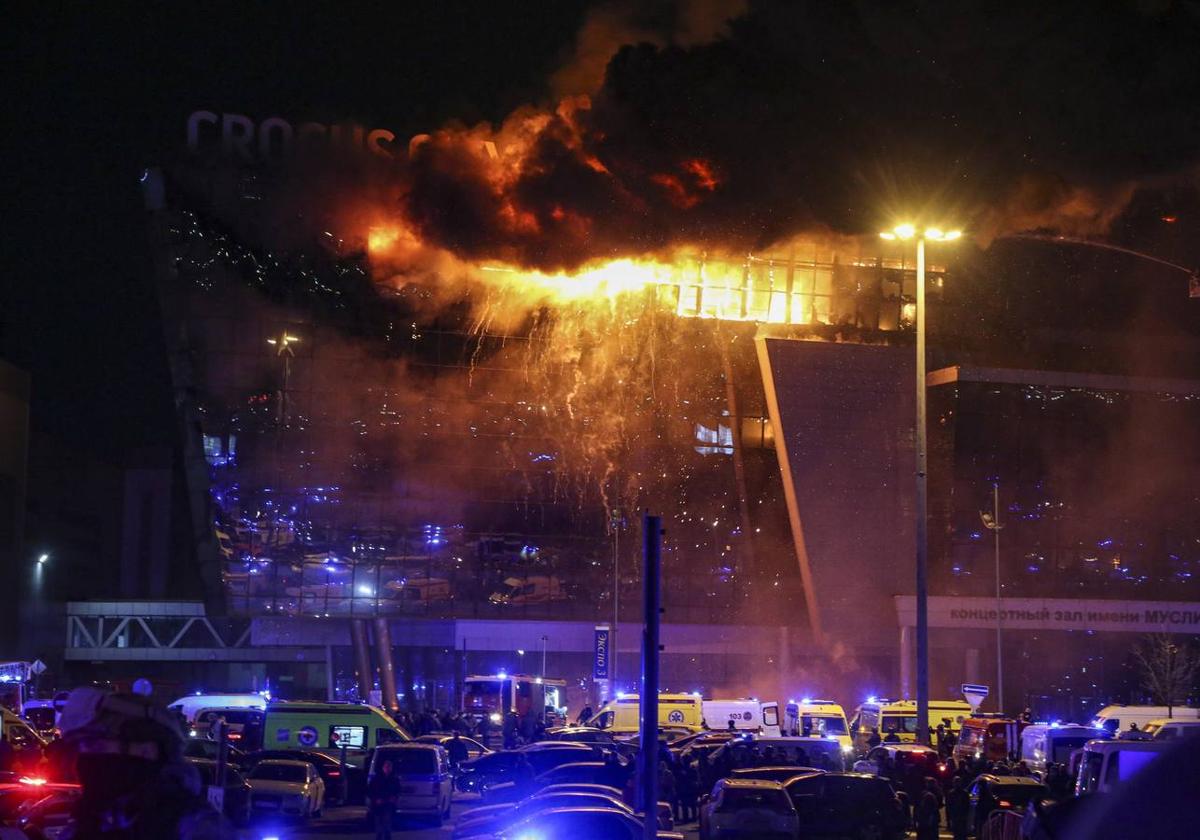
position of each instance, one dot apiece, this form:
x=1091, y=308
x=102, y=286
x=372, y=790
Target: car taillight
x=1004, y=804
x=333, y=774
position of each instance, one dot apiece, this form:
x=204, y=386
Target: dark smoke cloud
x=835, y=117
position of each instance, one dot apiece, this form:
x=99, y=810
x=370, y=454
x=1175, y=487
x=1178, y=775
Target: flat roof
x=1063, y=379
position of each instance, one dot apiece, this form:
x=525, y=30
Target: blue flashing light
x=806, y=700
x=503, y=675
x=872, y=699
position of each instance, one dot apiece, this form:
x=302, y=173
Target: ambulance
x=901, y=716
x=623, y=715
x=817, y=719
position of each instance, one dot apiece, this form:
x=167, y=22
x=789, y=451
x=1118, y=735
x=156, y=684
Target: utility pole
x=652, y=605
x=992, y=523
x=615, y=521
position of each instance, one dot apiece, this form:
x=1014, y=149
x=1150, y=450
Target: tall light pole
x=905, y=232
x=991, y=521
x=615, y=522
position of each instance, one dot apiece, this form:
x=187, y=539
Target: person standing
x=928, y=812
x=456, y=751
x=958, y=808
x=585, y=714
x=666, y=787
x=382, y=792
x=874, y=740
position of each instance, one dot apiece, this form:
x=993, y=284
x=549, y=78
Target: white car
x=290, y=788
x=750, y=808
x=423, y=775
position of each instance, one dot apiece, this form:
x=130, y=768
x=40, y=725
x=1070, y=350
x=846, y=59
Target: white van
x=191, y=705
x=1043, y=744
x=1166, y=729
x=1106, y=764
x=745, y=715
x=423, y=774
x=1117, y=719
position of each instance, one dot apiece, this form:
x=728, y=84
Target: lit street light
x=932, y=234
x=991, y=521
x=43, y=559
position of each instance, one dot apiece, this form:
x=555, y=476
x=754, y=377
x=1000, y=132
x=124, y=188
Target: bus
x=318, y=725
x=495, y=695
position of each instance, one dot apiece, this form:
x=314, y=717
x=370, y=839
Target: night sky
x=1044, y=101
x=102, y=93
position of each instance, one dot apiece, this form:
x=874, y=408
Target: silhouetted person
x=892, y=737
x=382, y=793
x=958, y=809
x=928, y=812
x=873, y=740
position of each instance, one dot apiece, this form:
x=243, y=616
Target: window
x=409, y=762
x=351, y=737
x=278, y=772
x=387, y=736
x=771, y=716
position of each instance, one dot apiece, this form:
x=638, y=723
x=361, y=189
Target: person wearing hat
x=136, y=783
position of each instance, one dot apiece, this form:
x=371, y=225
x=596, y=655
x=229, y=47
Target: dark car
x=1002, y=793
x=582, y=824
x=781, y=773
x=847, y=805
x=237, y=790
x=497, y=768
x=342, y=785
x=20, y=791
x=609, y=774
x=203, y=748
x=474, y=748
x=580, y=734
x=46, y=818
x=492, y=820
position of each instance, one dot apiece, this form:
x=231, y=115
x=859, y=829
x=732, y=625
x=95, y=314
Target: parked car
x=19, y=791
x=773, y=774
x=751, y=808
x=236, y=796
x=582, y=824
x=847, y=805
x=206, y=749
x=580, y=734
x=474, y=748
x=289, y=788
x=423, y=774
x=493, y=819
x=339, y=789
x=902, y=756
x=47, y=818
x=1001, y=793
x=497, y=768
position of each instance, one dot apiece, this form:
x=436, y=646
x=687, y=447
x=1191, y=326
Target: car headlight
x=494, y=717
x=846, y=748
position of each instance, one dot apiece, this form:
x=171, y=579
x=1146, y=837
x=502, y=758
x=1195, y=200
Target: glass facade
x=366, y=455
x=1097, y=489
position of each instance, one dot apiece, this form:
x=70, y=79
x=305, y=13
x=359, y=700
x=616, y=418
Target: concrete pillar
x=387, y=669
x=906, y=662
x=362, y=658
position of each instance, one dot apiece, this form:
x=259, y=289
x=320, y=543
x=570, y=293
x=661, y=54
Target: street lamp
x=43, y=559
x=932, y=234
x=991, y=521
